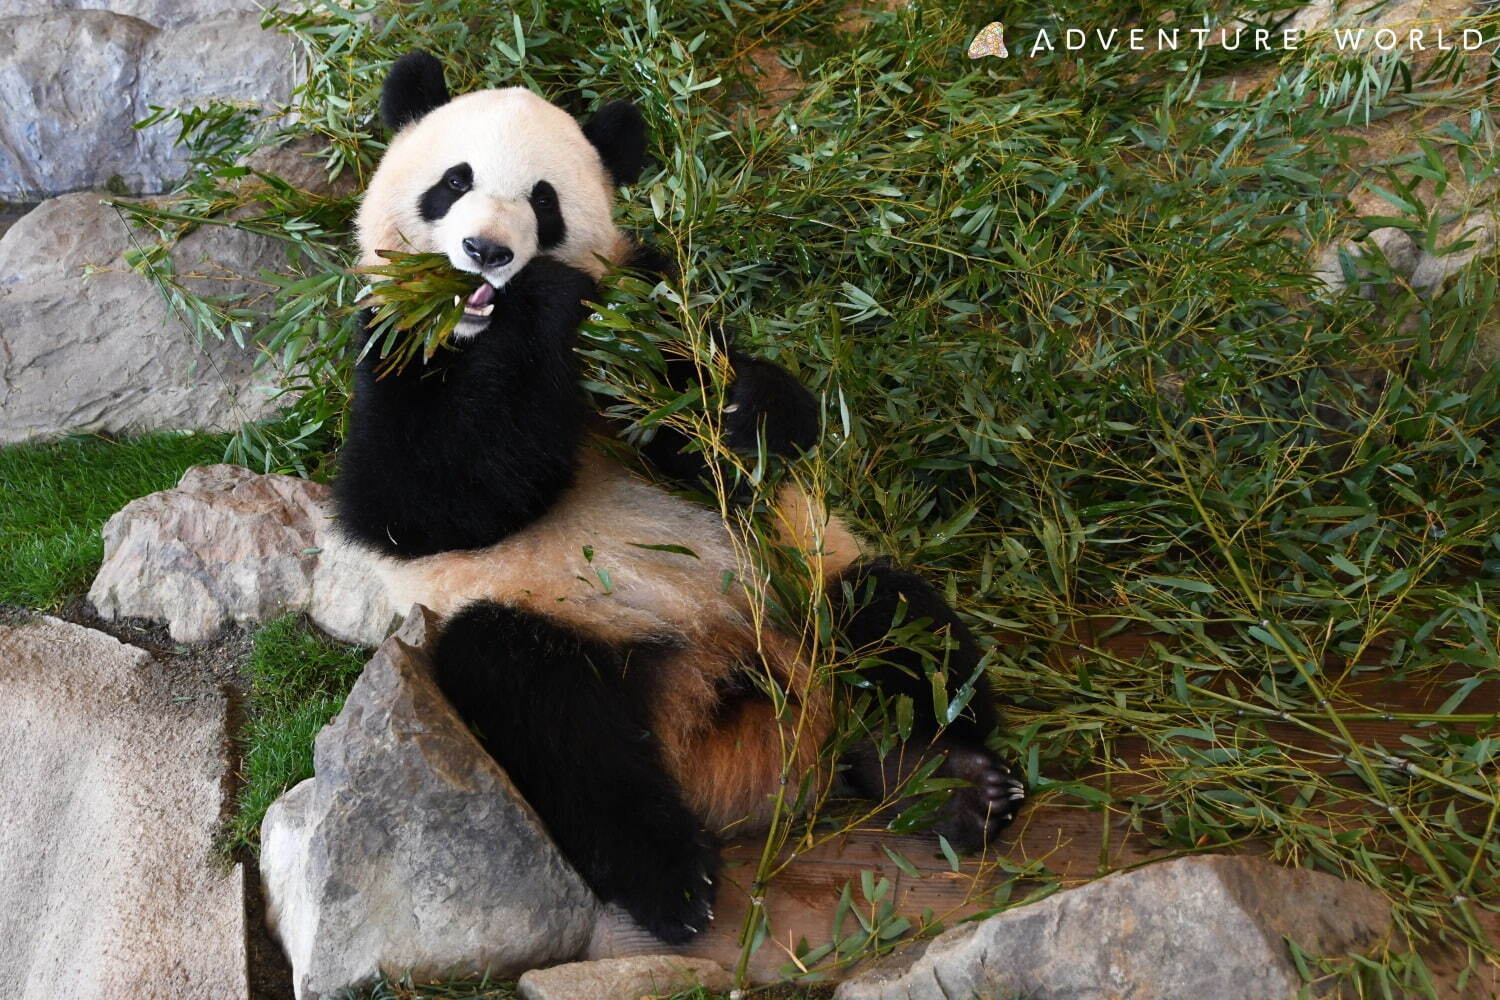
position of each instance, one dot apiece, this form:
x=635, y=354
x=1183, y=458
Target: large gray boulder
x=226, y=544
x=1210, y=926
x=73, y=83
x=113, y=783
x=161, y=13
x=411, y=850
x=99, y=351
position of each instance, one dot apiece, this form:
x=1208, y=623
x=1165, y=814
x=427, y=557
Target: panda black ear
x=413, y=87
x=618, y=132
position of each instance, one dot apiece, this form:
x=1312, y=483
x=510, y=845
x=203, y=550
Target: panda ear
x=618, y=132
x=413, y=87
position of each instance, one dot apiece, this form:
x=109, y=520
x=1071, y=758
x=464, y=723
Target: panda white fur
x=627, y=714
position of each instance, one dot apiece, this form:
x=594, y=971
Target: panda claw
x=973, y=815
x=666, y=897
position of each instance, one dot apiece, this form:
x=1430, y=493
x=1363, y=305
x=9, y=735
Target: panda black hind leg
x=553, y=709
x=871, y=600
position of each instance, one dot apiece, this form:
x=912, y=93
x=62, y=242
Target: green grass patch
x=298, y=681
x=458, y=989
x=54, y=498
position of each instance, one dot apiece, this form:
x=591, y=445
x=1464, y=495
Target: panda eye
x=456, y=181
x=542, y=196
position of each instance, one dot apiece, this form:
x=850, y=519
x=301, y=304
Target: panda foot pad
x=975, y=814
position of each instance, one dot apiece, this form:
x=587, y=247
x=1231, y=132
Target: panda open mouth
x=482, y=302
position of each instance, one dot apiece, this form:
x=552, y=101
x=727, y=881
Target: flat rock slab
x=227, y=544
x=110, y=793
x=1211, y=926
x=623, y=978
x=411, y=851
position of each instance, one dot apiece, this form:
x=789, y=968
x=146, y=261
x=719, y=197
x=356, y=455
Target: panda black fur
x=626, y=713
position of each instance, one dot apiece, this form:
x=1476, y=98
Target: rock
x=617, y=935
x=1424, y=271
x=101, y=352
x=623, y=978
x=160, y=13
x=411, y=851
x=1208, y=926
x=110, y=796
x=348, y=598
x=1396, y=245
x=1431, y=270
x=1399, y=15
x=73, y=83
x=301, y=163
x=226, y=545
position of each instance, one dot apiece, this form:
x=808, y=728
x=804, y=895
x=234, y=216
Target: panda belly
x=596, y=562
x=608, y=561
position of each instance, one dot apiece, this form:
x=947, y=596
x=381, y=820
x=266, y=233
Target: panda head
x=494, y=178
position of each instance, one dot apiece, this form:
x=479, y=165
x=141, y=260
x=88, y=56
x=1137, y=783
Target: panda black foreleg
x=762, y=399
x=872, y=601
x=763, y=402
x=551, y=707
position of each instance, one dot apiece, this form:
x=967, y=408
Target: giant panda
x=628, y=715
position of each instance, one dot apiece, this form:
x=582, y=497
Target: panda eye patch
x=550, y=229
x=456, y=181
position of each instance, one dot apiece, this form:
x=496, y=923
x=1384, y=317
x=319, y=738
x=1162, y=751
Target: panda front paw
x=673, y=897
x=975, y=814
x=766, y=399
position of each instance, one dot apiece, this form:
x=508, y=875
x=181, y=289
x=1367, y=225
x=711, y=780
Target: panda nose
x=487, y=253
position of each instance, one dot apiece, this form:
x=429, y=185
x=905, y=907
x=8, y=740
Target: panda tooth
x=457, y=300
x=487, y=309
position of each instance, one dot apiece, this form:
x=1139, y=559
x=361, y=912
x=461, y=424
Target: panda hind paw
x=975, y=814
x=675, y=895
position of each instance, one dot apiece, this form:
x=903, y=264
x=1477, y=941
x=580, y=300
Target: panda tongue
x=482, y=296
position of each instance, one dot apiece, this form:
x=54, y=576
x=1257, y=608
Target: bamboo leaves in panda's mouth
x=420, y=300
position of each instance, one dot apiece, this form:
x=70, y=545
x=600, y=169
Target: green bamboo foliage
x=419, y=300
